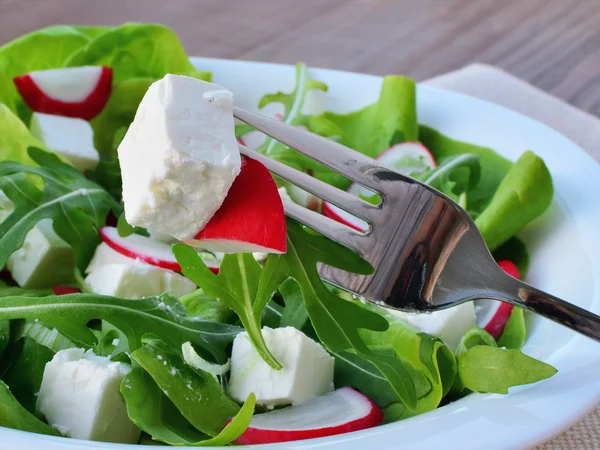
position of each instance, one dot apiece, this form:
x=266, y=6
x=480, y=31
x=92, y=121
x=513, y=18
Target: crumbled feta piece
x=137, y=280
x=307, y=368
x=80, y=397
x=70, y=137
x=449, y=325
x=179, y=157
x=105, y=255
x=44, y=260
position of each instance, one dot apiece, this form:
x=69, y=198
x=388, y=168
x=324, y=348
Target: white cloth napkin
x=495, y=85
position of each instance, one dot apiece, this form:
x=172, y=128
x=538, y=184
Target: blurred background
x=553, y=44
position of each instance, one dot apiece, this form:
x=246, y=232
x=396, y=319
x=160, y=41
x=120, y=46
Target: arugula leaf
x=493, y=369
x=25, y=372
x=524, y=194
x=454, y=175
x=294, y=312
x=77, y=206
x=514, y=333
x=135, y=50
x=154, y=413
x=4, y=336
x=195, y=393
x=428, y=356
x=473, y=337
x=70, y=314
x=235, y=286
x=13, y=415
x=201, y=306
x=493, y=166
x=335, y=321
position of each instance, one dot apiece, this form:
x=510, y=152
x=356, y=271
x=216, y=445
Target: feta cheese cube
x=105, y=255
x=44, y=260
x=307, y=369
x=179, y=156
x=72, y=138
x=137, y=280
x=80, y=397
x=449, y=325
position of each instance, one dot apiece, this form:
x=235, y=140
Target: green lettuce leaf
x=473, y=337
x=15, y=138
x=201, y=306
x=13, y=415
x=4, y=338
x=6, y=93
x=523, y=195
x=514, y=250
x=195, y=393
x=235, y=286
x=135, y=50
x=492, y=369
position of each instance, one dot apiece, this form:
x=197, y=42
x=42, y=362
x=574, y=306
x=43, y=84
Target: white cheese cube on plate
x=137, y=280
x=449, y=325
x=44, y=260
x=105, y=255
x=307, y=369
x=70, y=137
x=80, y=397
x=179, y=156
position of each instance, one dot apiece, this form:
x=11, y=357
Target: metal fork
x=426, y=250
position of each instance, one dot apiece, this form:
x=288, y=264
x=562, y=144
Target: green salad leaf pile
x=406, y=372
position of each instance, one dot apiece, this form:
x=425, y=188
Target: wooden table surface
x=554, y=44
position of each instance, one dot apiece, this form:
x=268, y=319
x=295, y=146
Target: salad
x=153, y=290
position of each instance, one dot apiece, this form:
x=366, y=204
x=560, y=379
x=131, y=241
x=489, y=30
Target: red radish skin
x=86, y=109
x=329, y=211
x=497, y=323
x=251, y=217
x=111, y=237
x=254, y=436
x=65, y=290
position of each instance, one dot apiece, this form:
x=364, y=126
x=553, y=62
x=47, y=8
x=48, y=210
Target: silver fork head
x=419, y=240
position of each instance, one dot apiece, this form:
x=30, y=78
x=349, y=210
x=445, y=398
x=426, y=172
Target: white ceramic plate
x=565, y=261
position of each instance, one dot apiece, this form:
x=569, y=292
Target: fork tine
x=338, y=157
x=335, y=231
x=348, y=202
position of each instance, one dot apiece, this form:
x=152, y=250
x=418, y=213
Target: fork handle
x=565, y=313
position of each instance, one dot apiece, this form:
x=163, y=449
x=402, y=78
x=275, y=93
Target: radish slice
x=65, y=290
x=492, y=315
x=80, y=92
x=405, y=158
x=251, y=218
x=149, y=250
x=340, y=411
x=136, y=246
